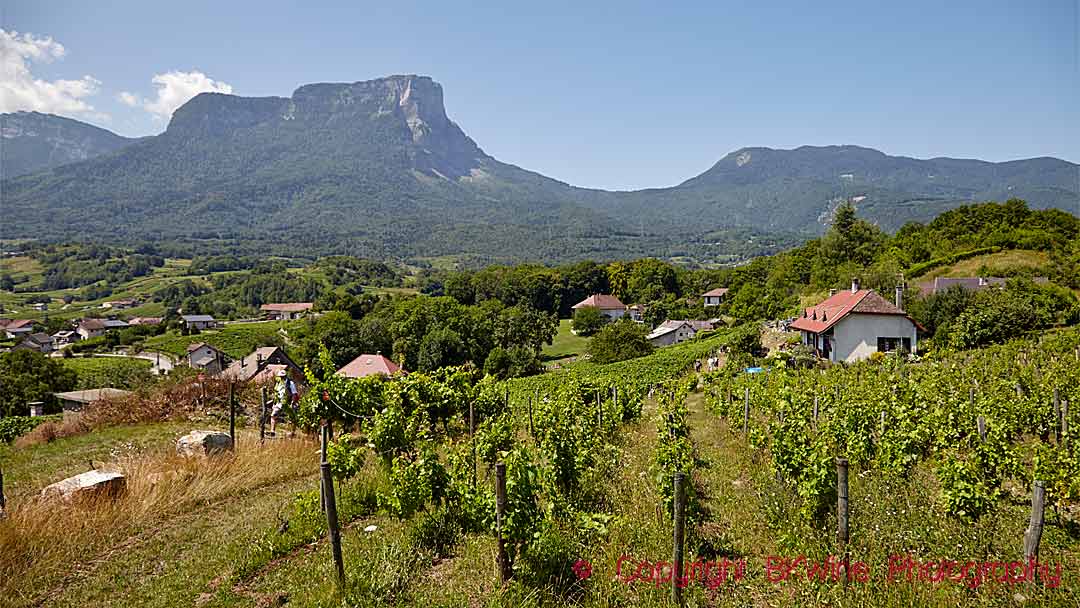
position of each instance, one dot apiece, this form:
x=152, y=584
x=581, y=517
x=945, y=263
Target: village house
x=16, y=328
x=676, y=331
x=40, y=342
x=90, y=328
x=715, y=296
x=199, y=322
x=636, y=312
x=286, y=311
x=120, y=304
x=369, y=365
x=853, y=324
x=609, y=306
x=205, y=357
x=262, y=366
x=64, y=337
x=114, y=324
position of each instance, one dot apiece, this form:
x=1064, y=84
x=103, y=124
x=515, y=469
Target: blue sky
x=621, y=95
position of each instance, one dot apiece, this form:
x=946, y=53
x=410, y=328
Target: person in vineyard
x=286, y=398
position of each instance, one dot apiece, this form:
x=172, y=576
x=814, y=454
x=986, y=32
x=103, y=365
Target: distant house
x=606, y=304
x=676, y=331
x=16, y=328
x=40, y=306
x=636, y=312
x=940, y=284
x=204, y=357
x=114, y=324
x=262, y=365
x=853, y=324
x=285, y=312
x=199, y=322
x=74, y=401
x=145, y=321
x=715, y=296
x=40, y=342
x=369, y=365
x=91, y=328
x=65, y=337
x=120, y=304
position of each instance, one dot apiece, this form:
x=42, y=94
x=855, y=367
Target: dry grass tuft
x=43, y=542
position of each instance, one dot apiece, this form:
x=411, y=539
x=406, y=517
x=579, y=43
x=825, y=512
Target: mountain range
x=376, y=168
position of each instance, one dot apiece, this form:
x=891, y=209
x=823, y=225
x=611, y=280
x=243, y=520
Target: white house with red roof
x=714, y=297
x=606, y=304
x=369, y=365
x=852, y=325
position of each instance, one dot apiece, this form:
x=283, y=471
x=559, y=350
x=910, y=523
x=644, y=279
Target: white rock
x=90, y=483
x=371, y=528
x=201, y=443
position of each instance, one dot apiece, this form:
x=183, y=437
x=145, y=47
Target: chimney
x=258, y=359
x=900, y=297
x=832, y=292
x=854, y=284
x=37, y=408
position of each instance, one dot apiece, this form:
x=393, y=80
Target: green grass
x=115, y=372
x=236, y=340
x=28, y=470
x=1016, y=258
x=565, y=343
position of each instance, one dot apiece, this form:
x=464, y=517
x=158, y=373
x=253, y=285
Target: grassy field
x=1016, y=258
x=235, y=340
x=140, y=288
x=115, y=372
x=565, y=344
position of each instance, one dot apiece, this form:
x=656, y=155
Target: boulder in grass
x=86, y=485
x=204, y=443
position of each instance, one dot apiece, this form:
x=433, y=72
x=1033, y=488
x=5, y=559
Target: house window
x=889, y=345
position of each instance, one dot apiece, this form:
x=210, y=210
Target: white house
x=286, y=311
x=610, y=306
x=206, y=358
x=852, y=325
x=715, y=296
x=676, y=331
x=199, y=321
x=90, y=328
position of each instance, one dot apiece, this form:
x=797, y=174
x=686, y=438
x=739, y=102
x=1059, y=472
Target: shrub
x=588, y=320
x=619, y=341
x=12, y=427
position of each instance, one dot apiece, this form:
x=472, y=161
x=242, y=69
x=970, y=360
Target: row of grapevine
x=891, y=414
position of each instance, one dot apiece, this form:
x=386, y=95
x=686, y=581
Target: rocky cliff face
x=31, y=141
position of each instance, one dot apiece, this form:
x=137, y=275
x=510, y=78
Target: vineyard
x=453, y=488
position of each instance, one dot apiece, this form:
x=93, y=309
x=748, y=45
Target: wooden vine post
x=262, y=416
x=232, y=414
x=1033, y=534
x=330, y=506
x=3, y=499
x=815, y=408
x=472, y=442
x=500, y=517
x=842, y=513
x=679, y=525
x=1065, y=423
x=746, y=411
x=980, y=424
x=1057, y=416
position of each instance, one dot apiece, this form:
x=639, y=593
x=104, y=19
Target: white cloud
x=128, y=99
x=174, y=89
x=20, y=90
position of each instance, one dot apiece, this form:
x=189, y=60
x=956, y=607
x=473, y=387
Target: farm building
x=262, y=365
x=285, y=312
x=676, y=331
x=199, y=322
x=90, y=328
x=205, y=357
x=16, y=328
x=610, y=306
x=40, y=342
x=369, y=365
x=853, y=324
x=714, y=297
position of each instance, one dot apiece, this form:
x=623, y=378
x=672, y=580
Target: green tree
x=588, y=320
x=619, y=341
x=27, y=376
x=441, y=347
